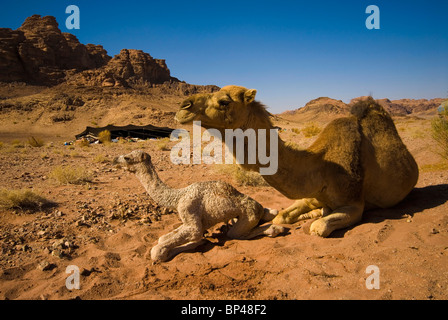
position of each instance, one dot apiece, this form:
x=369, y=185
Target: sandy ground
x=107, y=227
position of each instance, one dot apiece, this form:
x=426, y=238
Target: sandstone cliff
x=39, y=53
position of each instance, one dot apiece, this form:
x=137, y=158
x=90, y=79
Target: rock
x=434, y=231
x=57, y=253
x=127, y=68
x=41, y=233
x=60, y=243
x=45, y=266
x=38, y=52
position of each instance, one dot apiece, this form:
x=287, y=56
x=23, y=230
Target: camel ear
x=249, y=95
x=145, y=156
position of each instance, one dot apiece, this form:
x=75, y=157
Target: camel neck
x=295, y=166
x=159, y=191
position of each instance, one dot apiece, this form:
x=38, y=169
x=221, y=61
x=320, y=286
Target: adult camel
x=357, y=163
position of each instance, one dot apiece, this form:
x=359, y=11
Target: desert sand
x=107, y=227
x=52, y=87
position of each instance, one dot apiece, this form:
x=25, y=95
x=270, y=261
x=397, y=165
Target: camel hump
x=368, y=106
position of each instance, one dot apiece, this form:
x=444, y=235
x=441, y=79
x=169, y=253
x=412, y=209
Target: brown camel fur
x=356, y=163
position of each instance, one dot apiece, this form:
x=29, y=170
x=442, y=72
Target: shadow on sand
x=418, y=200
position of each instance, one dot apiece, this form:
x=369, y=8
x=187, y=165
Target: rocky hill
x=38, y=53
x=324, y=108
x=320, y=109
x=50, y=82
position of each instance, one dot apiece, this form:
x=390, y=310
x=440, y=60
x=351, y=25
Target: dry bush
x=71, y=175
x=162, y=144
x=441, y=166
x=295, y=130
x=105, y=136
x=23, y=199
x=311, y=130
x=36, y=142
x=242, y=177
x=440, y=133
x=83, y=143
x=101, y=159
x=16, y=143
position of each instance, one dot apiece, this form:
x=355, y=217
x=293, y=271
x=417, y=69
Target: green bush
x=440, y=133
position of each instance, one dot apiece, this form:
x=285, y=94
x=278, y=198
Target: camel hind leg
x=168, y=245
x=247, y=228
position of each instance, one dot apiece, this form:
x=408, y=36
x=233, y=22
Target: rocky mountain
x=324, y=108
x=125, y=69
x=39, y=53
x=403, y=107
x=51, y=83
x=321, y=108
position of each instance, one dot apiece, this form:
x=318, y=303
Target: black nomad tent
x=129, y=131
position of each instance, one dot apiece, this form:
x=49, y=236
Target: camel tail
x=364, y=108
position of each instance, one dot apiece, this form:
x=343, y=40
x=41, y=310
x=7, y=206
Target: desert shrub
x=162, y=144
x=23, y=199
x=105, y=136
x=101, y=159
x=71, y=175
x=242, y=177
x=311, y=130
x=295, y=130
x=83, y=143
x=16, y=143
x=440, y=166
x=35, y=142
x=440, y=133
x=62, y=117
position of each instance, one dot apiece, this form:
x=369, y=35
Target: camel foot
x=320, y=228
x=275, y=230
x=159, y=253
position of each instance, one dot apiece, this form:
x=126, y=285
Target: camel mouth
x=183, y=119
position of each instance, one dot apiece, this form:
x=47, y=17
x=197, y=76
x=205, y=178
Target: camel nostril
x=186, y=106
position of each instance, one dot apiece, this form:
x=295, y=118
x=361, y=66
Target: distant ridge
x=324, y=108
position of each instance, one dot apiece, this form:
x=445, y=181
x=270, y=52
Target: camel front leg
x=339, y=218
x=305, y=208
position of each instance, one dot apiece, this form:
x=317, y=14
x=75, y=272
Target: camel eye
x=224, y=103
x=187, y=105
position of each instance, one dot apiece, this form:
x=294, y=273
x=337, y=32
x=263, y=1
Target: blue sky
x=290, y=51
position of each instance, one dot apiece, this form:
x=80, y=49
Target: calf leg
x=182, y=235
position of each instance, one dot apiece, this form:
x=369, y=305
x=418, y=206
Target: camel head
x=131, y=160
x=226, y=108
